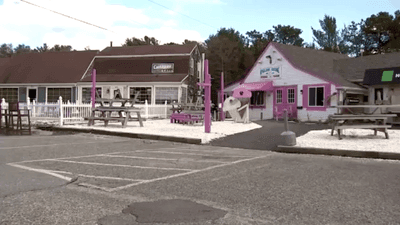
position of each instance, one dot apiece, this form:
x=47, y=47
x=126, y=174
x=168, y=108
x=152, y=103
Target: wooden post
x=60, y=103
x=93, y=97
x=146, y=109
x=166, y=109
x=33, y=108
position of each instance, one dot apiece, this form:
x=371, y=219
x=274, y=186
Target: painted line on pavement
x=41, y=171
x=33, y=146
x=189, y=153
x=83, y=156
x=187, y=173
x=165, y=159
x=118, y=165
x=97, y=177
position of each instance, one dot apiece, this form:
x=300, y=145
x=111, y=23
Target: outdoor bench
x=368, y=121
x=107, y=111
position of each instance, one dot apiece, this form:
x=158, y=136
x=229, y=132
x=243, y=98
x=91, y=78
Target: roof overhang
x=382, y=76
x=244, y=90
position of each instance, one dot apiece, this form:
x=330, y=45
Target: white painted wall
x=289, y=77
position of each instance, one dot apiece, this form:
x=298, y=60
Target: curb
x=124, y=134
x=337, y=152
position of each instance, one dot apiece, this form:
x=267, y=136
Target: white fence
x=75, y=113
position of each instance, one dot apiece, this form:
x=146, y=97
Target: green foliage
x=328, y=38
x=21, y=49
x=43, y=48
x=144, y=41
x=287, y=35
x=6, y=50
x=61, y=48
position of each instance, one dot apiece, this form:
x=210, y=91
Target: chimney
x=110, y=43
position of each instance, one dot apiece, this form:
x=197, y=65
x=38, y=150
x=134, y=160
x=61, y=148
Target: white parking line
x=83, y=156
x=183, y=174
x=189, y=153
x=97, y=177
x=165, y=159
x=34, y=146
x=118, y=165
x=41, y=171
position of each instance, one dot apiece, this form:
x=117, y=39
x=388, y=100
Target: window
x=257, y=98
x=278, y=96
x=168, y=94
x=9, y=94
x=316, y=96
x=145, y=94
x=54, y=93
x=290, y=95
x=87, y=94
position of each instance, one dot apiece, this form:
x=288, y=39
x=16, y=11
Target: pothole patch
x=172, y=211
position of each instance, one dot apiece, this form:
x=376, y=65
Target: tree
x=43, y=48
x=288, y=35
x=144, y=41
x=310, y=45
x=61, y=48
x=382, y=32
x=171, y=43
x=327, y=38
x=21, y=49
x=352, y=39
x=256, y=42
x=226, y=53
x=6, y=50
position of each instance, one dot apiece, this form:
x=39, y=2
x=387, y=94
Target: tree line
x=234, y=53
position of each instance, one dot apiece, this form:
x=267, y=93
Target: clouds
x=103, y=23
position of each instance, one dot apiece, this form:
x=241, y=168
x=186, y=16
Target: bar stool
x=14, y=111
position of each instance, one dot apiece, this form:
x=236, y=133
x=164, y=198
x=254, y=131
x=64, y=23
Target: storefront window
x=184, y=95
x=278, y=96
x=290, y=95
x=53, y=94
x=144, y=94
x=169, y=94
x=316, y=96
x=9, y=94
x=257, y=98
x=87, y=94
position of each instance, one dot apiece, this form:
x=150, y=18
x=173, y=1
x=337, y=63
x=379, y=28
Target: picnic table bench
x=107, y=110
x=377, y=122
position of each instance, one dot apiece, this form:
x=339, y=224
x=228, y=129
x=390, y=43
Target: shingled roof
x=353, y=69
x=315, y=62
x=47, y=67
x=148, y=50
x=133, y=63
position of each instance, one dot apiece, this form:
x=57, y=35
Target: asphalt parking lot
x=94, y=179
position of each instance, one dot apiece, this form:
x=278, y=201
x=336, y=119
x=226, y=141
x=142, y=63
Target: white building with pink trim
x=298, y=79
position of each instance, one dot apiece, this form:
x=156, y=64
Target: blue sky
x=128, y=18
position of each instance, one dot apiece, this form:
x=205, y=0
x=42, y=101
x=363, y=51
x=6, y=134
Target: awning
x=382, y=76
x=244, y=90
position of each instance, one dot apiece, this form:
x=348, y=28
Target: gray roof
x=354, y=68
x=316, y=62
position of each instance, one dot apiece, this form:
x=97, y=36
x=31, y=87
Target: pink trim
x=241, y=93
x=256, y=86
x=327, y=90
x=290, y=64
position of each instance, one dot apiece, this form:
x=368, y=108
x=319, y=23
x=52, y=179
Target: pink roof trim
x=256, y=86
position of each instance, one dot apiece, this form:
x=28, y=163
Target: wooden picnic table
x=377, y=122
x=107, y=110
x=375, y=107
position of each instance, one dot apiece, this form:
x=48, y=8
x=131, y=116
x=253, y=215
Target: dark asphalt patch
x=172, y=211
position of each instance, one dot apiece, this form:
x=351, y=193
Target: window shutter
x=22, y=94
x=42, y=94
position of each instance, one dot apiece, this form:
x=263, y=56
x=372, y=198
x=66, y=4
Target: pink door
x=285, y=98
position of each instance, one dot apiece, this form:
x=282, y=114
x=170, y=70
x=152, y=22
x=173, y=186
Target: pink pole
x=222, y=97
x=93, y=88
x=207, y=98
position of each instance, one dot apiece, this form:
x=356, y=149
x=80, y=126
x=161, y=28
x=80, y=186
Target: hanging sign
x=270, y=72
x=162, y=68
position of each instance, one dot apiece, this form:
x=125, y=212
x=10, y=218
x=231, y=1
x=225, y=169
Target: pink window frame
x=327, y=91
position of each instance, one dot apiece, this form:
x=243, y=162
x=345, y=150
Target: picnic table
x=106, y=111
x=187, y=113
x=377, y=122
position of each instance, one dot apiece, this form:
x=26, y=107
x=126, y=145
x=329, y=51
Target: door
x=285, y=98
x=116, y=92
x=32, y=94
